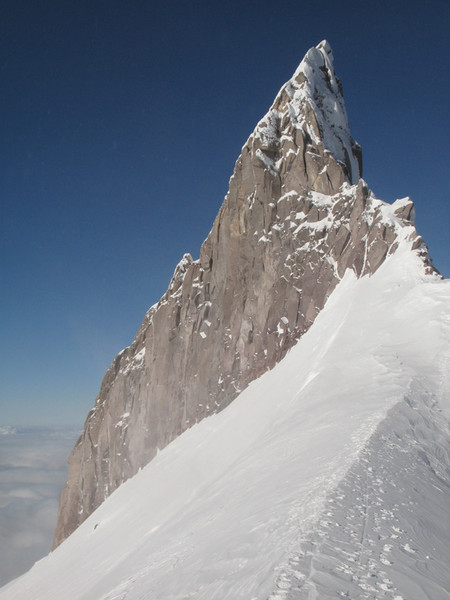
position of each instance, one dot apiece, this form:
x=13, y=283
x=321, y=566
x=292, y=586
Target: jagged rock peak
x=296, y=216
x=311, y=103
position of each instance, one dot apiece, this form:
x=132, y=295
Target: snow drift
x=327, y=477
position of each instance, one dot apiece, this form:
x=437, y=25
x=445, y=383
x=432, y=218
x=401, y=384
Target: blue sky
x=121, y=124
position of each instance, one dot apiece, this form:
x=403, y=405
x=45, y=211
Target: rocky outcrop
x=296, y=216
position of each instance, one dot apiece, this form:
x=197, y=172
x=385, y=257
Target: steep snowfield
x=327, y=477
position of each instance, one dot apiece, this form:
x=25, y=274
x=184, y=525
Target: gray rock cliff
x=296, y=216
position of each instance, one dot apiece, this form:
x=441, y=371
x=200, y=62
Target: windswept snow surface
x=327, y=477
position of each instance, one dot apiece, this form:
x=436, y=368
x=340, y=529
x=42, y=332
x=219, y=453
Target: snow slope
x=327, y=477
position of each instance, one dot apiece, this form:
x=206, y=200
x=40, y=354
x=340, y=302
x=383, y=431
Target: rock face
x=296, y=216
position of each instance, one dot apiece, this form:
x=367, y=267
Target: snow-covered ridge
x=316, y=216
x=290, y=226
x=241, y=505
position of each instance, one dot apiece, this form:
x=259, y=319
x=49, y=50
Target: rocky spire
x=296, y=216
x=312, y=102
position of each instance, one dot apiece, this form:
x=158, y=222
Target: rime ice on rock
x=296, y=216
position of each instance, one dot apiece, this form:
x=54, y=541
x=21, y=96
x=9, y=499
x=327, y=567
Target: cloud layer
x=33, y=469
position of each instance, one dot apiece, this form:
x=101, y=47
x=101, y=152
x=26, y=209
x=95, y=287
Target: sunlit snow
x=326, y=478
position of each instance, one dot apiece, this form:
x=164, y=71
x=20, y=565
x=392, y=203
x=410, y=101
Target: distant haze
x=33, y=469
